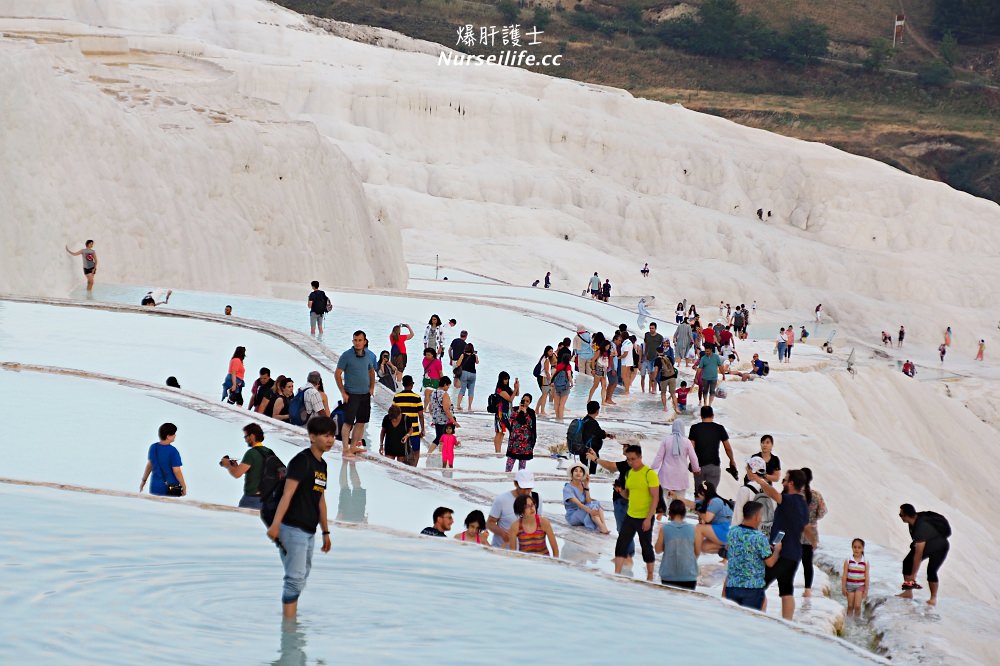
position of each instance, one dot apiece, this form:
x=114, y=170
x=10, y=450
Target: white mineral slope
x=873, y=442
x=181, y=180
x=482, y=163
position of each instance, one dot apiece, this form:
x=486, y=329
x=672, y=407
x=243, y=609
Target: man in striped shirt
x=411, y=405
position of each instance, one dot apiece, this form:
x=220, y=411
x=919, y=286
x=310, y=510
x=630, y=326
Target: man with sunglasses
x=251, y=467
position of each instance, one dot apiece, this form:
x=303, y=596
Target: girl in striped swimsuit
x=541, y=529
x=854, y=580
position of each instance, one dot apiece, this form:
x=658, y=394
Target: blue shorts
x=722, y=531
x=415, y=443
x=682, y=406
x=746, y=596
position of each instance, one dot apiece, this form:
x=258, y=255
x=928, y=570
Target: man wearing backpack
x=586, y=435
x=301, y=509
x=790, y=518
x=666, y=379
x=319, y=305
x=251, y=468
x=930, y=532
x=307, y=403
x=751, y=492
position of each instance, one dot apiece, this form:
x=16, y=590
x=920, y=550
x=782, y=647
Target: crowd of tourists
x=763, y=534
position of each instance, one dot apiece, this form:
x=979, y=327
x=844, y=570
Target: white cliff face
x=179, y=178
x=475, y=164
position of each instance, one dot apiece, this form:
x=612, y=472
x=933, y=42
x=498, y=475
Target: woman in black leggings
x=810, y=535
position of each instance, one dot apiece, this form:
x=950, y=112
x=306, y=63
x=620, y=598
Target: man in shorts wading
x=356, y=381
x=89, y=262
x=317, y=308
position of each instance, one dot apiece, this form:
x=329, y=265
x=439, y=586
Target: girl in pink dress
x=448, y=442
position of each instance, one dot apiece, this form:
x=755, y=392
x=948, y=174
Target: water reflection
x=353, y=501
x=293, y=645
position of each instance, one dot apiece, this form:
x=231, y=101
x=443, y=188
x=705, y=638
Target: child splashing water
x=448, y=443
x=855, y=578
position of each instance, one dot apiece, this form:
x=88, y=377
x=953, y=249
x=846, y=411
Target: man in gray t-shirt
x=356, y=381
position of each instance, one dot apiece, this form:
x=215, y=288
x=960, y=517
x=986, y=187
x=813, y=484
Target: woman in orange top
x=232, y=388
x=529, y=533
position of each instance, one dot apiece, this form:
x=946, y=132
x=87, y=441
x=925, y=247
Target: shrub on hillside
x=970, y=21
x=803, y=43
x=936, y=73
x=509, y=11
x=879, y=53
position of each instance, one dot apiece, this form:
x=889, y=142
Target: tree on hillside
x=805, y=42
x=879, y=53
x=970, y=21
x=949, y=48
x=509, y=11
x=719, y=29
x=937, y=74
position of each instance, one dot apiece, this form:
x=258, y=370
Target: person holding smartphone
x=790, y=519
x=749, y=557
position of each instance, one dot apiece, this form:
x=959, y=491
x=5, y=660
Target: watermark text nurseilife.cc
x=504, y=36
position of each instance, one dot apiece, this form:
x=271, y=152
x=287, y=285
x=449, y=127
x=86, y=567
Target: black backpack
x=273, y=471
x=272, y=486
x=766, y=370
x=492, y=403
x=537, y=372
x=938, y=522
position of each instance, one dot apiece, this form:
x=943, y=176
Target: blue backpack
x=561, y=380
x=574, y=438
x=297, y=409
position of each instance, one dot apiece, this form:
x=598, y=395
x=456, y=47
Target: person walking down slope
x=505, y=396
x=982, y=350
x=682, y=342
x=434, y=336
x=90, y=262
x=645, y=270
x=902, y=334
x=819, y=314
x=548, y=279
x=942, y=350
x=523, y=434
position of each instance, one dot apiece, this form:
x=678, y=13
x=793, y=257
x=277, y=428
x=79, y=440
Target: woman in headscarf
x=671, y=462
x=682, y=342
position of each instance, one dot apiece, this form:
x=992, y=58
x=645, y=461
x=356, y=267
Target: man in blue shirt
x=749, y=554
x=356, y=381
x=790, y=518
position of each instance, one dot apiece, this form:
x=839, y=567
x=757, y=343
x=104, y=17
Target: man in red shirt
x=709, y=334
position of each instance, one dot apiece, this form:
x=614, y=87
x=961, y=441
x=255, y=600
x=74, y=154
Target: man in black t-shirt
x=593, y=434
x=928, y=543
x=455, y=350
x=317, y=308
x=706, y=438
x=790, y=518
x=302, y=507
x=262, y=393
x=443, y=520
